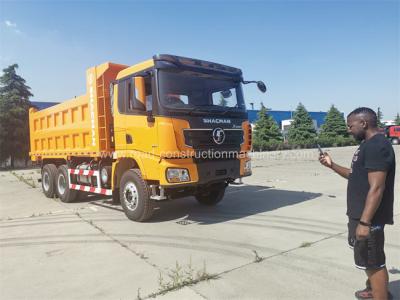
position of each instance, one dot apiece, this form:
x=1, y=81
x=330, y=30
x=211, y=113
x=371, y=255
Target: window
x=188, y=90
x=226, y=98
x=128, y=97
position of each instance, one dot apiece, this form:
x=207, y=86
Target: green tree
x=335, y=124
x=379, y=116
x=302, y=131
x=397, y=120
x=14, y=112
x=266, y=134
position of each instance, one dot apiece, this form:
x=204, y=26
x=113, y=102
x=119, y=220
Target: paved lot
x=281, y=235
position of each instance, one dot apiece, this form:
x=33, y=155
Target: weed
x=182, y=276
x=257, y=258
x=29, y=181
x=305, y=244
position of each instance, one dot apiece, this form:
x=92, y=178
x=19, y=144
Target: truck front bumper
x=203, y=172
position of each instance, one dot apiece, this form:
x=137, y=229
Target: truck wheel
x=49, y=174
x=63, y=191
x=213, y=195
x=395, y=141
x=135, y=196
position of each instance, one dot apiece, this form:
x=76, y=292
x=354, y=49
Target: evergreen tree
x=379, y=116
x=14, y=120
x=335, y=124
x=266, y=130
x=397, y=120
x=301, y=131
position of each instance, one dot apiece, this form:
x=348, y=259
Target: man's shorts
x=368, y=253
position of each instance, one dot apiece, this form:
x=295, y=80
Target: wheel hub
x=62, y=184
x=46, y=181
x=131, y=196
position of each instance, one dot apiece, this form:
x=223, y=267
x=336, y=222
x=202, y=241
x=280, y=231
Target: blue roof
x=42, y=105
x=279, y=115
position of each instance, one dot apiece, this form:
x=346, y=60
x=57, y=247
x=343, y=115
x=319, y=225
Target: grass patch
x=305, y=244
x=182, y=276
x=29, y=181
x=257, y=258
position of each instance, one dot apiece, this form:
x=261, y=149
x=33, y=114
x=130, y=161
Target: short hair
x=369, y=114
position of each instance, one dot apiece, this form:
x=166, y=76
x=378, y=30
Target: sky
x=319, y=53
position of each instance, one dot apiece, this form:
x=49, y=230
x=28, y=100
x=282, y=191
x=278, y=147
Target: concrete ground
x=280, y=235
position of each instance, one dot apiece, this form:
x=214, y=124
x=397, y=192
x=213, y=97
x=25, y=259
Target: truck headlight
x=247, y=166
x=177, y=175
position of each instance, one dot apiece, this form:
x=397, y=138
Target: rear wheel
x=49, y=174
x=62, y=187
x=213, y=195
x=135, y=196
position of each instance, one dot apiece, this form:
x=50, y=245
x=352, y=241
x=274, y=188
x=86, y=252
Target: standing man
x=370, y=194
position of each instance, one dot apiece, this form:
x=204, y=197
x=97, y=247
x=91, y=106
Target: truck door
x=138, y=134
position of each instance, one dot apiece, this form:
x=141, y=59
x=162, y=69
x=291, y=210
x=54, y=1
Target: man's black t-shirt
x=375, y=154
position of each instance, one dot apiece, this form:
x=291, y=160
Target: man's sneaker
x=366, y=294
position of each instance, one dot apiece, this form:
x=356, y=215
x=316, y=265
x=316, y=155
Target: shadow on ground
x=239, y=202
x=394, y=288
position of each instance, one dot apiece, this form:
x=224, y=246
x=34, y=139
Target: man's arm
x=376, y=180
x=326, y=160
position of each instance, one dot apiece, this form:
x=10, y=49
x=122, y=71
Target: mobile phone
x=320, y=150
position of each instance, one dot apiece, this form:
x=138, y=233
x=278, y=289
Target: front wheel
x=135, y=197
x=213, y=196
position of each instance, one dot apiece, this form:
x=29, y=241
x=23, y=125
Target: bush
x=323, y=141
x=338, y=141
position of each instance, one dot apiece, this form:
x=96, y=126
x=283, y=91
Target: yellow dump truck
x=166, y=128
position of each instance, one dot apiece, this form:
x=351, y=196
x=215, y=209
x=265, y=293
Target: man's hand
x=362, y=232
x=325, y=160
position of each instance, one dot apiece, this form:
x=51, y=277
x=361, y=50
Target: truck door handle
x=129, y=139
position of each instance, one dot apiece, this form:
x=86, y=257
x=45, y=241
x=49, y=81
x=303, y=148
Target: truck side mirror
x=261, y=86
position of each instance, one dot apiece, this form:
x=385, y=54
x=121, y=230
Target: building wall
x=280, y=115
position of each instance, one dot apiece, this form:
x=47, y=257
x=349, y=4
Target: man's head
x=360, y=120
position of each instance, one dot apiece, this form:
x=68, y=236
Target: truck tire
x=213, y=196
x=135, y=196
x=49, y=174
x=63, y=191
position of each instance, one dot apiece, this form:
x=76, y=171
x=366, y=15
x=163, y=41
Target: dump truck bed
x=76, y=127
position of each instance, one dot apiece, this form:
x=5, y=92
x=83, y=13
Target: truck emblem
x=216, y=121
x=218, y=135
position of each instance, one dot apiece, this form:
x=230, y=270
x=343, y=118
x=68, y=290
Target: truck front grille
x=202, y=139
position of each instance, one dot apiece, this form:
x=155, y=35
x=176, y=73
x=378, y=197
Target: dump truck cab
x=176, y=127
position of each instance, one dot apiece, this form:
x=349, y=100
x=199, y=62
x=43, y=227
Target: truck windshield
x=191, y=90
